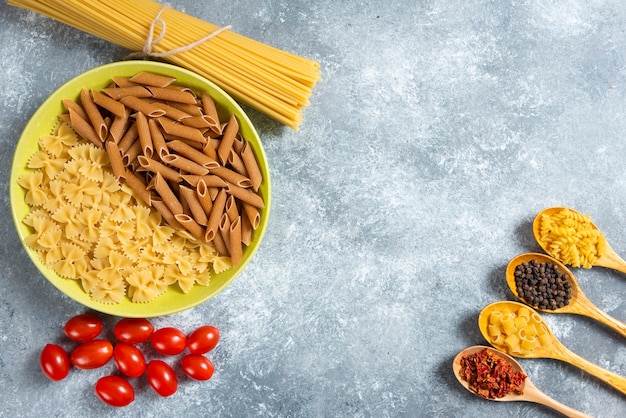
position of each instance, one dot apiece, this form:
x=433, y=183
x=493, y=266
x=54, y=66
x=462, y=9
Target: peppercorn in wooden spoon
x=573, y=239
x=548, y=285
x=530, y=393
x=519, y=331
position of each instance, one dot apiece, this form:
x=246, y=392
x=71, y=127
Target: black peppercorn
x=542, y=285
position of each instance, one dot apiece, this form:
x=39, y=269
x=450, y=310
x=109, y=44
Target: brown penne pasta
x=145, y=139
x=236, y=250
x=190, y=225
x=117, y=93
x=159, y=168
x=78, y=109
x=246, y=195
x=216, y=213
x=172, y=112
x=226, y=143
x=246, y=231
x=115, y=157
x=209, y=109
x=252, y=167
x=230, y=207
x=116, y=108
x=235, y=161
x=129, y=138
x=198, y=122
x=220, y=245
x=209, y=180
x=195, y=207
x=138, y=186
x=148, y=109
x=119, y=126
x=191, y=109
x=84, y=128
x=224, y=230
x=252, y=214
x=193, y=154
x=93, y=114
x=172, y=95
x=151, y=79
x=166, y=213
x=131, y=153
x=232, y=177
x=181, y=131
x=159, y=184
x=184, y=164
x=204, y=197
x=122, y=82
x=158, y=142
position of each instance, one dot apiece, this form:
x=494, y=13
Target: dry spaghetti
x=273, y=81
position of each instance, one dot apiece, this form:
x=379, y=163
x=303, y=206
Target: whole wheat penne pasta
x=252, y=167
x=192, y=144
x=217, y=210
x=78, y=109
x=230, y=207
x=190, y=225
x=144, y=135
x=158, y=142
x=119, y=126
x=198, y=122
x=209, y=180
x=181, y=130
x=209, y=109
x=209, y=150
x=172, y=112
x=131, y=153
x=172, y=94
x=65, y=117
x=184, y=164
x=238, y=144
x=115, y=157
x=219, y=243
x=195, y=207
x=213, y=191
x=159, y=168
x=232, y=177
x=117, y=93
x=245, y=195
x=202, y=191
x=224, y=230
x=167, y=195
x=129, y=138
x=106, y=102
x=236, y=249
x=252, y=214
x=246, y=231
x=138, y=186
x=84, y=128
x=235, y=161
x=226, y=143
x=190, y=109
x=149, y=109
x=122, y=82
x=93, y=114
x=193, y=154
x=151, y=79
x=166, y=213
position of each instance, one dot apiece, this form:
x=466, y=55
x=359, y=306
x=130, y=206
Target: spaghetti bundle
x=266, y=78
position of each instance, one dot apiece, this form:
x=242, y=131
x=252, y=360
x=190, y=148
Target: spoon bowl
x=610, y=259
x=550, y=346
x=530, y=393
x=578, y=304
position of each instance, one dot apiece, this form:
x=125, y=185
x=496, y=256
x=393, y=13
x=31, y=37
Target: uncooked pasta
x=273, y=81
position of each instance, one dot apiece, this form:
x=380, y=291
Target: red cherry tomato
x=168, y=341
x=161, y=378
x=54, y=362
x=197, y=367
x=92, y=354
x=129, y=359
x=83, y=327
x=203, y=339
x=133, y=330
x=115, y=391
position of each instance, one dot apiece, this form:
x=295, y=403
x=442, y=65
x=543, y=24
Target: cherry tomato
x=133, y=330
x=115, y=391
x=83, y=327
x=54, y=362
x=197, y=367
x=129, y=359
x=161, y=378
x=168, y=341
x=92, y=354
x=203, y=339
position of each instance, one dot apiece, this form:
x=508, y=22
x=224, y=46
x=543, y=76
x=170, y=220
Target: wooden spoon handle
x=615, y=380
x=592, y=311
x=611, y=260
x=532, y=394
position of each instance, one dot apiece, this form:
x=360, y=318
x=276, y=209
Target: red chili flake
x=490, y=375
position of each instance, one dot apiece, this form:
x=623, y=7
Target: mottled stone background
x=439, y=130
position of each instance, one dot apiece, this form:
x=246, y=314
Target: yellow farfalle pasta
x=87, y=227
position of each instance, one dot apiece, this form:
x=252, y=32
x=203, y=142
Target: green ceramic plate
x=42, y=123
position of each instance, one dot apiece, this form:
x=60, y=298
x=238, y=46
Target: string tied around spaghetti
x=147, y=52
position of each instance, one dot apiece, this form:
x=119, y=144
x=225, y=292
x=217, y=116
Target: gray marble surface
x=438, y=132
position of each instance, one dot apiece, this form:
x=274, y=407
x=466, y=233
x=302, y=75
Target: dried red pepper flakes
x=490, y=375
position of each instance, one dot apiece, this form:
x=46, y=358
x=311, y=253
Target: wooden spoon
x=578, y=304
x=609, y=259
x=554, y=349
x=530, y=392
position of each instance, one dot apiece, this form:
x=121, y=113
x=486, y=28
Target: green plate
x=45, y=119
